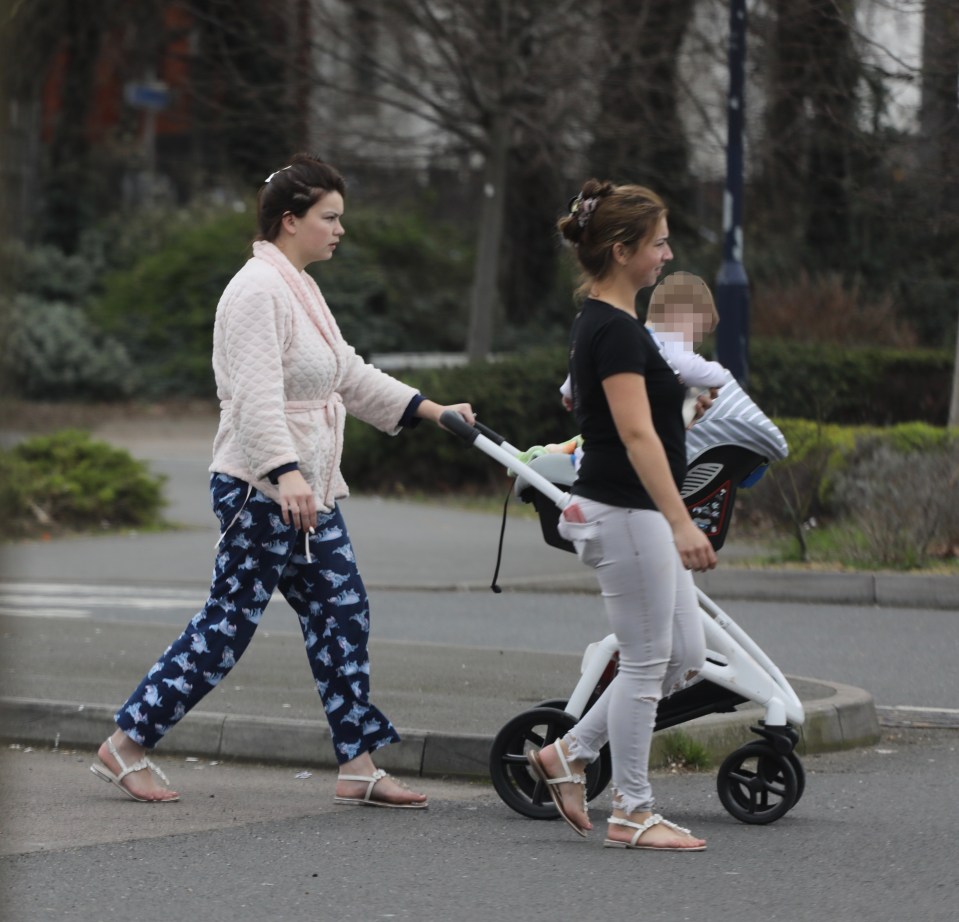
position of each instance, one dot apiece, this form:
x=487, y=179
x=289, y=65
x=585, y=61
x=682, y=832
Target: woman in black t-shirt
x=627, y=519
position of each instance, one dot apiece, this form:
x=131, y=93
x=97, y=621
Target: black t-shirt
x=606, y=341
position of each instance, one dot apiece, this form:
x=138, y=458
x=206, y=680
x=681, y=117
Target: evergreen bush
x=899, y=503
x=70, y=482
x=876, y=386
x=398, y=283
x=891, y=491
x=52, y=351
x=162, y=308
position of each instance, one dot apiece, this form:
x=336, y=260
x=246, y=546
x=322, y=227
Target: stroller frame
x=757, y=783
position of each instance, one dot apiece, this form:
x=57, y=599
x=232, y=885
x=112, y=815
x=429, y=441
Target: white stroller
x=762, y=780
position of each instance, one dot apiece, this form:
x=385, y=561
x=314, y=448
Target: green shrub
x=899, y=503
x=795, y=492
x=162, y=308
x=892, y=491
x=46, y=272
x=68, y=481
x=850, y=386
x=15, y=509
x=398, y=283
x=53, y=352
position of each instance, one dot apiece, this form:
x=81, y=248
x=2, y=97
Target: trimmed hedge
x=854, y=387
x=519, y=398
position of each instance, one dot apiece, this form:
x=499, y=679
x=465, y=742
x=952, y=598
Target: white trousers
x=651, y=603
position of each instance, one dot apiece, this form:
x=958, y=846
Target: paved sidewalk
x=62, y=678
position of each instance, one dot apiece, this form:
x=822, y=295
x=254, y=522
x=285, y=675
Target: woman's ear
x=621, y=253
x=289, y=222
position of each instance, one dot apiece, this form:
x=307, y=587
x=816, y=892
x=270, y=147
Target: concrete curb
x=843, y=720
x=886, y=590
x=904, y=590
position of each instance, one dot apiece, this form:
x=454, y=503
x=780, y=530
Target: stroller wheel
x=558, y=703
x=518, y=787
x=800, y=775
x=758, y=785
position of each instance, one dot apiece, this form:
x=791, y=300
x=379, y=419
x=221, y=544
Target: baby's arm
x=695, y=370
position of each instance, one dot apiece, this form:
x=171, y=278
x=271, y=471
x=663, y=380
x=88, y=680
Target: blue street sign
x=153, y=96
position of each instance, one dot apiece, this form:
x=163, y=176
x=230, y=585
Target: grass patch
x=682, y=753
x=842, y=546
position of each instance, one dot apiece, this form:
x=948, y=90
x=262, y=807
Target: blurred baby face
x=682, y=304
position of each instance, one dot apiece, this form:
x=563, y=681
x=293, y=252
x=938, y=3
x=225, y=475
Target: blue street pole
x=732, y=286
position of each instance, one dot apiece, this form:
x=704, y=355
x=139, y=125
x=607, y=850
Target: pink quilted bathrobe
x=286, y=379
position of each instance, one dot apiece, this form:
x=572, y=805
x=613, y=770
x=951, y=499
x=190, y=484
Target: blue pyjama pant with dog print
x=257, y=554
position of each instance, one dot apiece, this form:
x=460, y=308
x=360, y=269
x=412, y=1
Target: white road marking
x=70, y=600
x=44, y=612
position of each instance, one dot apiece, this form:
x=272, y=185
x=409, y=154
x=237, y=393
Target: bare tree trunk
x=782, y=151
x=954, y=401
x=810, y=124
x=639, y=135
x=530, y=255
x=832, y=75
x=939, y=127
x=68, y=199
x=484, y=299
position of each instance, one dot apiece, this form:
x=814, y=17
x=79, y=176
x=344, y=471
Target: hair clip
x=268, y=178
x=583, y=208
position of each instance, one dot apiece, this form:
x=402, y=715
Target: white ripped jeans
x=651, y=604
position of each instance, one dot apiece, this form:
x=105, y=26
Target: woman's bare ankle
x=119, y=753
x=125, y=747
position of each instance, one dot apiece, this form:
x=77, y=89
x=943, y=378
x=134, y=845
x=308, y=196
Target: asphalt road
x=872, y=838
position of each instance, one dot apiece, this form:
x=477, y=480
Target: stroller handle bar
x=494, y=445
x=489, y=433
x=456, y=424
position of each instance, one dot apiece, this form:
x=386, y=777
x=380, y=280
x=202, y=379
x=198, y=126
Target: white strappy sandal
x=654, y=820
x=104, y=773
x=367, y=800
x=536, y=764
